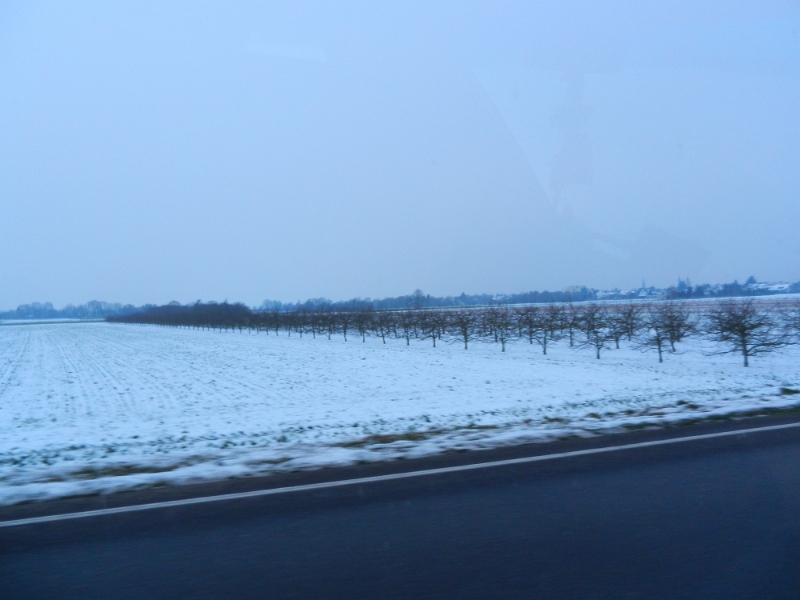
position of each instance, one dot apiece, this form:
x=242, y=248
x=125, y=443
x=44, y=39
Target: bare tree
x=791, y=321
x=462, y=323
x=275, y=321
x=362, y=321
x=540, y=325
x=745, y=328
x=486, y=324
x=300, y=322
x=552, y=319
x=571, y=321
x=617, y=327
x=406, y=320
x=503, y=325
x=440, y=319
x=652, y=334
x=345, y=321
x=381, y=324
x=287, y=319
x=313, y=322
x=631, y=315
x=529, y=322
x=677, y=320
x=330, y=322
x=593, y=323
x=430, y=325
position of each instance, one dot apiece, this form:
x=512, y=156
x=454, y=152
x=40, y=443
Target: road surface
x=711, y=517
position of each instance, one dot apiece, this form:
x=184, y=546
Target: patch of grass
x=119, y=471
x=733, y=416
x=409, y=436
x=635, y=426
x=275, y=461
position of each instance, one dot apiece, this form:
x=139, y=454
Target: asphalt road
x=710, y=518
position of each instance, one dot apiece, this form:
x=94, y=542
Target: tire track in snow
x=141, y=365
x=122, y=377
x=15, y=358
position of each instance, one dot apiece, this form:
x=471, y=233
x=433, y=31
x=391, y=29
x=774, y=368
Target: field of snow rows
x=95, y=407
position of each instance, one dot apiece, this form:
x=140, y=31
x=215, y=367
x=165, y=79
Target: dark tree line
x=91, y=310
x=742, y=326
x=419, y=299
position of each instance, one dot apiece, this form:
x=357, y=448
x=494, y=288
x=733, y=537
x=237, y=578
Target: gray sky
x=160, y=151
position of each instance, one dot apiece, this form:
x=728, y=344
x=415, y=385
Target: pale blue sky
x=160, y=151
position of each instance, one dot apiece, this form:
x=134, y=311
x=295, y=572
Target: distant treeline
x=684, y=289
x=98, y=310
x=91, y=310
x=751, y=287
x=744, y=326
x=419, y=299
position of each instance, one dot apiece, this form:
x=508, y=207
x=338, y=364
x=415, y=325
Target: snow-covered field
x=93, y=406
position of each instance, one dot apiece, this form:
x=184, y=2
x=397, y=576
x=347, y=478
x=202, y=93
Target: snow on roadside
x=92, y=407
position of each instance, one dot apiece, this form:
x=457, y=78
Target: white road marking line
x=378, y=478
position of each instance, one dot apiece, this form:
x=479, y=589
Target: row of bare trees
x=744, y=326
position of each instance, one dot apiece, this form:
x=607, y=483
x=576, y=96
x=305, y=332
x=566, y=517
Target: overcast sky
x=180, y=151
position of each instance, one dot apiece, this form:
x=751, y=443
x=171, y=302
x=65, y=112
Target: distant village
x=685, y=289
